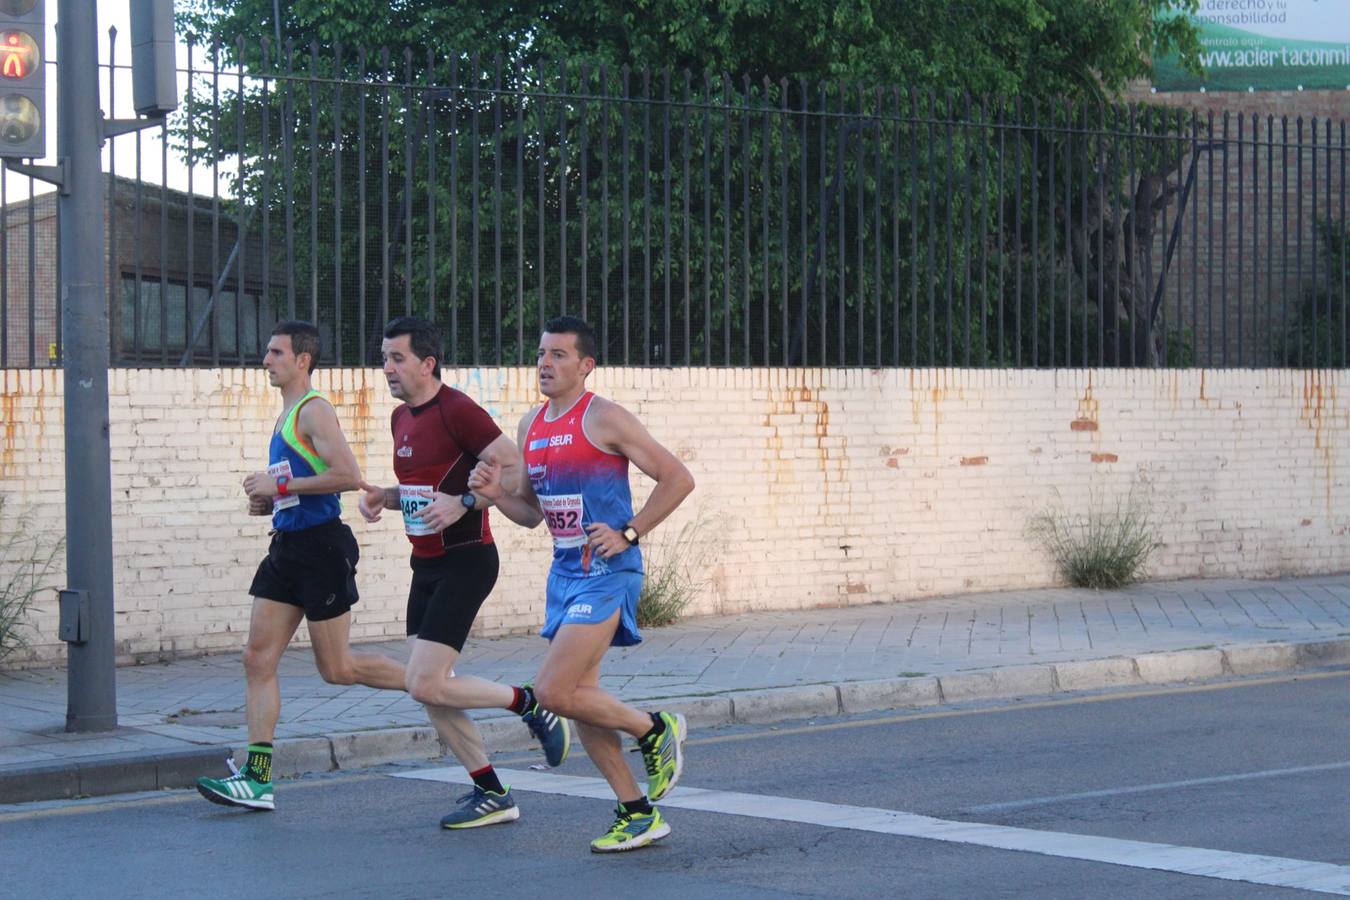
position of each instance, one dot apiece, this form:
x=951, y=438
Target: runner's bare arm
x=618, y=430
x=521, y=505
x=318, y=424
x=502, y=455
x=375, y=500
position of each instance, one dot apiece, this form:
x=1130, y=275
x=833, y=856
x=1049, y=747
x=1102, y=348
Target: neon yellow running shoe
x=630, y=831
x=664, y=756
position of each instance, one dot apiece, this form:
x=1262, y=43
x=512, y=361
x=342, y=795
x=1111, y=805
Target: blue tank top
x=290, y=450
x=578, y=484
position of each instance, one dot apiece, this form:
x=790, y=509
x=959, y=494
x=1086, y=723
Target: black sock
x=640, y=806
x=486, y=778
x=523, y=701
x=259, y=765
x=658, y=726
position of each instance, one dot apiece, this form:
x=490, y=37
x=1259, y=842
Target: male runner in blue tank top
x=310, y=568
x=576, y=449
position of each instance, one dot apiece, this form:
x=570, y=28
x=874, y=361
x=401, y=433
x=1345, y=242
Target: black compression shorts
x=447, y=591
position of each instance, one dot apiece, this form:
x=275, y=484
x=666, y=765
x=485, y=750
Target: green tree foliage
x=1316, y=336
x=788, y=206
x=1030, y=48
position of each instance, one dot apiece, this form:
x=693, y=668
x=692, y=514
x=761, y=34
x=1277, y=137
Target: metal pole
x=91, y=688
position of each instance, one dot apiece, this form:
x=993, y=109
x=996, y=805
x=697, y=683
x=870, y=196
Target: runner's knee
x=423, y=684
x=553, y=696
x=337, y=672
x=259, y=661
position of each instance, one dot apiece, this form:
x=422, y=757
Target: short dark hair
x=423, y=337
x=585, y=334
x=304, y=338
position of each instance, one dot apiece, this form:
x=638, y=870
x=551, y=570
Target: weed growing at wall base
x=1102, y=548
x=25, y=564
x=676, y=571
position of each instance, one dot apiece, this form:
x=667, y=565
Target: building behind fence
x=700, y=220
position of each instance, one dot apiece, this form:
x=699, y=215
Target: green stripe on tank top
x=293, y=440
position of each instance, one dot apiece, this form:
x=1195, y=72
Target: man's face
x=280, y=361
x=561, y=367
x=407, y=375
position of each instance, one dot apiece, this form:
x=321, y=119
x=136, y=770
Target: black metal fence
x=699, y=220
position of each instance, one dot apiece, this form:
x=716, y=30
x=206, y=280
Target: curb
x=162, y=770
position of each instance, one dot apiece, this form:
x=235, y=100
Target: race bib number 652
x=563, y=513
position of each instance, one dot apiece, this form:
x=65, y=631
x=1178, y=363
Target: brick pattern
x=816, y=488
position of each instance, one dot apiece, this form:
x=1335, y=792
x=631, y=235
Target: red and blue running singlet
x=578, y=484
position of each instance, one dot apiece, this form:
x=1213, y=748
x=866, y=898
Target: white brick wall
x=815, y=487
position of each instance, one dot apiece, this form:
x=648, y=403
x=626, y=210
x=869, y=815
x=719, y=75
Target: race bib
x=411, y=499
x=563, y=514
x=276, y=470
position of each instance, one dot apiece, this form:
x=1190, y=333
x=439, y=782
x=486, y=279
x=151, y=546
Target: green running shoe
x=630, y=831
x=664, y=756
x=240, y=789
x=480, y=807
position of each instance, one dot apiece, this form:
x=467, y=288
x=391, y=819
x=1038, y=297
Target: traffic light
x=23, y=31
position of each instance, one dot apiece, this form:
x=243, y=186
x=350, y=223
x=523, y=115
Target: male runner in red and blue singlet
x=576, y=449
x=440, y=434
x=310, y=568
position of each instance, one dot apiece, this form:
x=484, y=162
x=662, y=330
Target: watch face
x=468, y=501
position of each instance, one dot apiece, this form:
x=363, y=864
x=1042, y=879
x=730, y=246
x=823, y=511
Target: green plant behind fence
x=1316, y=336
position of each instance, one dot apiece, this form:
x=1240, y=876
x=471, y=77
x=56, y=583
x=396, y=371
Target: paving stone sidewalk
x=761, y=666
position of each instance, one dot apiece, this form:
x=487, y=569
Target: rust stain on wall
x=1105, y=458
x=1319, y=405
x=1086, y=415
x=974, y=460
x=9, y=403
x=352, y=399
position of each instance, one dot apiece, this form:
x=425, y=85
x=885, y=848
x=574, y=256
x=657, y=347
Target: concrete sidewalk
x=177, y=720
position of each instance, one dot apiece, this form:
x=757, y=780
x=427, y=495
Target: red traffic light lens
x=18, y=55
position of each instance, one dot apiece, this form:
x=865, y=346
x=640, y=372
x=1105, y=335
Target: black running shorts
x=314, y=569
x=447, y=591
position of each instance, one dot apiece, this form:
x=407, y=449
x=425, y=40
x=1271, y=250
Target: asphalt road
x=1105, y=795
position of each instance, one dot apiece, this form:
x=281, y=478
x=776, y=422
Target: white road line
x=1145, y=788
x=1271, y=870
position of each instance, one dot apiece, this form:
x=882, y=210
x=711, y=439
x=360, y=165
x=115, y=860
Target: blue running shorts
x=591, y=601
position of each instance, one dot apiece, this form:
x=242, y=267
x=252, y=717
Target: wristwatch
x=468, y=500
x=630, y=534
x=283, y=486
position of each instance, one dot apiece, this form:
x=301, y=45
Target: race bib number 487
x=563, y=513
x=411, y=499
